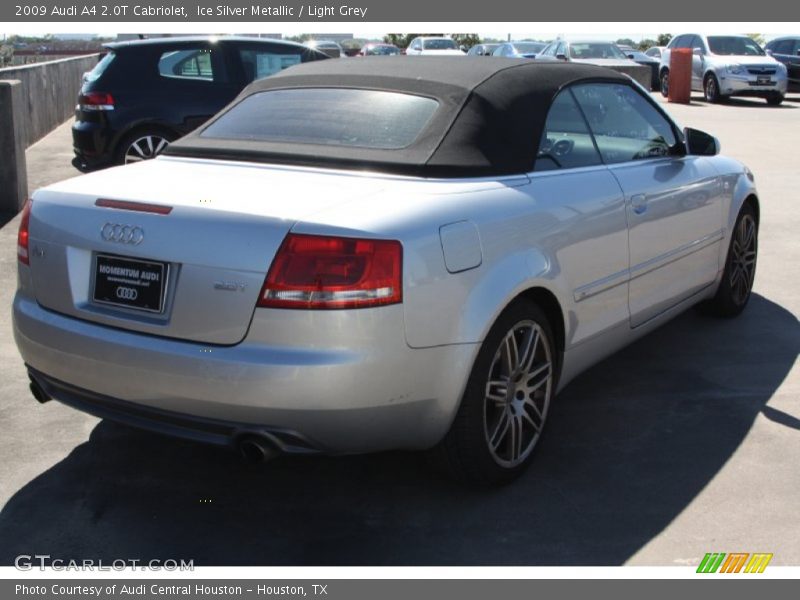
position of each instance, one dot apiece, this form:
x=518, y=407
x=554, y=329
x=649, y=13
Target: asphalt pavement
x=684, y=443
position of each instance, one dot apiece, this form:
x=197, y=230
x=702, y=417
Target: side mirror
x=699, y=143
x=768, y=52
x=561, y=56
x=631, y=56
x=697, y=52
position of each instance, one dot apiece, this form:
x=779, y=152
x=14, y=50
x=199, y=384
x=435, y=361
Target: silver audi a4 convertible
x=374, y=254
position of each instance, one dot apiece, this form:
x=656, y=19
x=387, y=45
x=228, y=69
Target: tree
x=6, y=55
x=467, y=40
x=663, y=39
x=647, y=43
x=757, y=38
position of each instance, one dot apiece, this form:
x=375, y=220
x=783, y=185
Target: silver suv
x=728, y=65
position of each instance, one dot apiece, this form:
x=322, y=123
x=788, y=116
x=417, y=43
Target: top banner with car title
x=282, y=11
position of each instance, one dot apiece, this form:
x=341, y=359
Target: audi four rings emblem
x=126, y=293
x=123, y=234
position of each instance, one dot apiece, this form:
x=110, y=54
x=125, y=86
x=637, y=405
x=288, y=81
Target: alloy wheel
x=743, y=259
x=518, y=393
x=145, y=148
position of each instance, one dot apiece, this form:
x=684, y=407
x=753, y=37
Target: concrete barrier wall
x=34, y=100
x=49, y=92
x=13, y=172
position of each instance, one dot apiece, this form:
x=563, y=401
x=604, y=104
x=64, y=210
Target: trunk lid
x=209, y=254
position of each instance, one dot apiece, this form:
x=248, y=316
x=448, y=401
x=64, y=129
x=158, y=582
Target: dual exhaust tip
x=256, y=449
x=38, y=392
x=253, y=448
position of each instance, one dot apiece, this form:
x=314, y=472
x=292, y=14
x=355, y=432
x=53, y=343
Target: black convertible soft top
x=489, y=121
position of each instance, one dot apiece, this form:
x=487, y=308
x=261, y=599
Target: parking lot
x=686, y=442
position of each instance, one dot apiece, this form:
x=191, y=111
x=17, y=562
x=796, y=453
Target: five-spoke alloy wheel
x=740, y=267
x=507, y=399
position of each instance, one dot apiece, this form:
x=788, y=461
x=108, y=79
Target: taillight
x=96, y=101
x=23, y=236
x=312, y=271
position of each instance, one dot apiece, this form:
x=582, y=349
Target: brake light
x=96, y=101
x=23, y=236
x=323, y=272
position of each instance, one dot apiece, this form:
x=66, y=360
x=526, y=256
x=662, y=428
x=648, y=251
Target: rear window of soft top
x=327, y=116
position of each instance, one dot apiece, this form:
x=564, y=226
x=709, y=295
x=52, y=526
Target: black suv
x=144, y=94
x=787, y=50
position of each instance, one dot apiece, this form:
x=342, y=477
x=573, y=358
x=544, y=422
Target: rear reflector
x=158, y=209
x=324, y=272
x=23, y=236
x=96, y=101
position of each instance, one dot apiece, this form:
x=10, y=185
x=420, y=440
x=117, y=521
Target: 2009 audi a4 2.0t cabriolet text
x=379, y=254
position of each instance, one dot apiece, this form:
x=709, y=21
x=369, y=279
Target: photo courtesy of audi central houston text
x=445, y=218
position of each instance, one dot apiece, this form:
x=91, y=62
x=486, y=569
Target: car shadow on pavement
x=629, y=445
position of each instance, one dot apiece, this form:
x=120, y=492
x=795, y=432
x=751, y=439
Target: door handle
x=639, y=203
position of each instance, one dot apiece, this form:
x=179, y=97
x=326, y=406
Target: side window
x=625, y=125
x=566, y=142
x=674, y=42
x=186, y=63
x=698, y=43
x=562, y=49
x=258, y=64
x=786, y=47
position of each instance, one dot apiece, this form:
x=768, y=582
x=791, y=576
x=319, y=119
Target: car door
x=581, y=209
x=673, y=202
x=699, y=52
x=787, y=51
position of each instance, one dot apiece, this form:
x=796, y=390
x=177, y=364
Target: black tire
x=711, y=89
x=469, y=451
x=734, y=290
x=775, y=100
x=147, y=140
x=665, y=83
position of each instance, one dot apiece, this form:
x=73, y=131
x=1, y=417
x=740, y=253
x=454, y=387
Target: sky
x=605, y=31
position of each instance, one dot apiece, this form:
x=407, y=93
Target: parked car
x=728, y=65
x=655, y=52
x=594, y=52
x=519, y=49
x=146, y=93
x=787, y=51
x=433, y=46
x=482, y=49
x=330, y=48
x=648, y=61
x=337, y=267
x=375, y=49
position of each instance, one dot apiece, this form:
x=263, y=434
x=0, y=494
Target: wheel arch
x=141, y=126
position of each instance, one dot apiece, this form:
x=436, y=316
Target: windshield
x=327, y=116
x=588, y=50
x=439, y=44
x=528, y=47
x=382, y=50
x=732, y=45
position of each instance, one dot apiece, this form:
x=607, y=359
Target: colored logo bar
x=734, y=562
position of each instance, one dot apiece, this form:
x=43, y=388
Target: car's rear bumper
x=373, y=393
x=91, y=143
